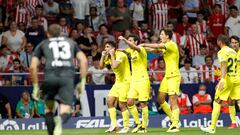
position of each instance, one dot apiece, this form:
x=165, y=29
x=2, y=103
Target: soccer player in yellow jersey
x=140, y=83
x=121, y=68
x=227, y=60
x=171, y=82
x=235, y=94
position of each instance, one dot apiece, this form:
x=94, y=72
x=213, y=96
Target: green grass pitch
x=100, y=131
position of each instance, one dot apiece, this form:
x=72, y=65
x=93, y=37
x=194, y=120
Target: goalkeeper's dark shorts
x=58, y=88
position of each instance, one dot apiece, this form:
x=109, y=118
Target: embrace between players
x=132, y=81
x=133, y=84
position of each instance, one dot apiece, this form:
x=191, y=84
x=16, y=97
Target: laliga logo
x=166, y=122
x=9, y=125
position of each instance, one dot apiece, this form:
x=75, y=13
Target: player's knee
x=143, y=104
x=110, y=102
x=123, y=106
x=161, y=98
x=130, y=102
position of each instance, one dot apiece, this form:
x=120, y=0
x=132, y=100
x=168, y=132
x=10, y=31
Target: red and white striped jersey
x=176, y=37
x=224, y=6
x=21, y=14
x=32, y=5
x=208, y=73
x=193, y=44
x=202, y=27
x=159, y=14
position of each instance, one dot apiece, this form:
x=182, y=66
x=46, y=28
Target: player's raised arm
x=130, y=44
x=101, y=63
x=114, y=63
x=153, y=46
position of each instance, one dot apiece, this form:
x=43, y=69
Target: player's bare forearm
x=149, y=49
x=223, y=69
x=101, y=63
x=130, y=44
x=33, y=70
x=83, y=64
x=154, y=46
x=114, y=63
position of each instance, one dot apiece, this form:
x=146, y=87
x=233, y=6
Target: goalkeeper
x=59, y=53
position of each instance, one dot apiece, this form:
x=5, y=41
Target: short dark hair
x=203, y=46
x=167, y=32
x=224, y=39
x=235, y=38
x=208, y=56
x=102, y=25
x=54, y=30
x=16, y=60
x=95, y=8
x=94, y=43
x=135, y=38
x=233, y=7
x=188, y=61
x=39, y=6
x=217, y=5
x=34, y=18
x=95, y=58
x=111, y=43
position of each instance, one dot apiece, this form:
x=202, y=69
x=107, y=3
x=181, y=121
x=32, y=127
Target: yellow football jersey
x=122, y=72
x=139, y=64
x=230, y=57
x=238, y=63
x=171, y=58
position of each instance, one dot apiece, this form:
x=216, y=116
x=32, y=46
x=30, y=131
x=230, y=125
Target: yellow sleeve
x=143, y=52
x=221, y=57
x=107, y=62
x=119, y=57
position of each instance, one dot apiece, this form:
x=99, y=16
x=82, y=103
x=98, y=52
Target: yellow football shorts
x=140, y=90
x=170, y=85
x=226, y=91
x=120, y=91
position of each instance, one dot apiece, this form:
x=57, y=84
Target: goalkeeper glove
x=35, y=92
x=80, y=87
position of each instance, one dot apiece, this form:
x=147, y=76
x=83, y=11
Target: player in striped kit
x=158, y=15
x=194, y=40
x=207, y=70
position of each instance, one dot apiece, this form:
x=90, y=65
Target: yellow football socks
x=134, y=112
x=166, y=108
x=125, y=116
x=112, y=113
x=144, y=116
x=232, y=113
x=175, y=116
x=215, y=114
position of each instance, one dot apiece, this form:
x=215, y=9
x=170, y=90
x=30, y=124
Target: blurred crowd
x=91, y=23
